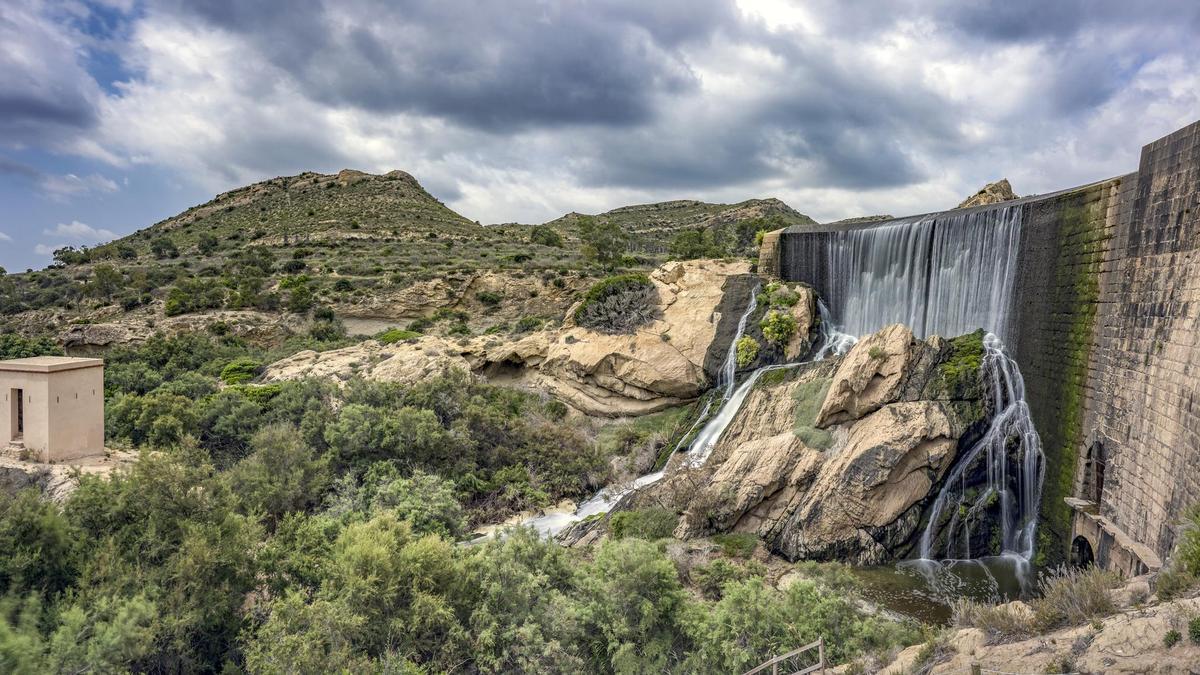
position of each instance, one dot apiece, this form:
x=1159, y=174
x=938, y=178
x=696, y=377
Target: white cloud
x=70, y=185
x=839, y=110
x=5, y=237
x=76, y=231
x=44, y=249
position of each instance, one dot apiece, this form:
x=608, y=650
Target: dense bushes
x=303, y=527
x=194, y=295
x=546, y=236
x=13, y=346
x=698, y=243
x=617, y=304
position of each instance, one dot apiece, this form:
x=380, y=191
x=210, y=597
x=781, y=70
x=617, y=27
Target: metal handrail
x=773, y=664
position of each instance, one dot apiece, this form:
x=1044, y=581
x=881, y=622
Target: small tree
x=546, y=236
x=106, y=281
x=207, y=243
x=603, y=241
x=747, y=351
x=778, y=327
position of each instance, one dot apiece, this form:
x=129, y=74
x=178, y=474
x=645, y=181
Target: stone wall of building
x=1107, y=307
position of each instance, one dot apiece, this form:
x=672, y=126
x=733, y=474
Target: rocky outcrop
x=875, y=373
x=405, y=362
x=93, y=339
x=837, y=459
x=1130, y=641
x=805, y=314
x=55, y=482
x=992, y=193
x=661, y=364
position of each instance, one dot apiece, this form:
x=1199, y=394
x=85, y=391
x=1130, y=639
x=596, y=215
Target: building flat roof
x=48, y=364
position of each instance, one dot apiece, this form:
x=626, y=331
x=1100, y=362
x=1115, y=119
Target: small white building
x=53, y=407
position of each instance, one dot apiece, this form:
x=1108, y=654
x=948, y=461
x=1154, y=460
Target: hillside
x=376, y=251
x=652, y=226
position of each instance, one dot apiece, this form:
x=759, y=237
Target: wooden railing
x=774, y=664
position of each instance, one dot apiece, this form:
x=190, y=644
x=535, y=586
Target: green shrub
x=999, y=624
x=602, y=241
x=394, y=335
x=711, y=578
x=618, y=304
x=777, y=295
x=737, y=544
x=697, y=243
x=877, y=353
x=527, y=324
x=490, y=298
x=460, y=329
x=649, y=524
x=778, y=327
x=546, y=236
x=1194, y=630
x=240, y=370
x=1171, y=638
x=194, y=295
x=420, y=325
x=1072, y=597
x=747, y=351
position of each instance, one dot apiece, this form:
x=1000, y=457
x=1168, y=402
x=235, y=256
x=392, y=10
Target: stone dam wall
x=1106, y=311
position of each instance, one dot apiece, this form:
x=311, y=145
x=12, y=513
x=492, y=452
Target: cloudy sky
x=117, y=113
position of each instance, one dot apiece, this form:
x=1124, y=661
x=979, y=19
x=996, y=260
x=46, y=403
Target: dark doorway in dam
x=1093, y=472
x=1081, y=553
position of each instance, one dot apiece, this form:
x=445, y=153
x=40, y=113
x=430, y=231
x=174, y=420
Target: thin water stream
x=832, y=342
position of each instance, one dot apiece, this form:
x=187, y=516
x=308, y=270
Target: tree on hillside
x=698, y=243
x=603, y=241
x=106, y=282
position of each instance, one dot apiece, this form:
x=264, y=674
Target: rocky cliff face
x=836, y=459
x=663, y=363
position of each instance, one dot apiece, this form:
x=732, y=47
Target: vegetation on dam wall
x=1071, y=298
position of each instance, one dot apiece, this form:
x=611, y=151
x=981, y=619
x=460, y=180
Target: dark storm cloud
x=497, y=66
x=1058, y=21
x=44, y=94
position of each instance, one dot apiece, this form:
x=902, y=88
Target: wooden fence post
x=976, y=669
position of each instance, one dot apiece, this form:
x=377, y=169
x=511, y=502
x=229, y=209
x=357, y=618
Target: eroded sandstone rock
x=660, y=365
x=853, y=490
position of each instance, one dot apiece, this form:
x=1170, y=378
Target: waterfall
x=833, y=340
x=943, y=274
x=1016, y=494
x=728, y=372
x=731, y=400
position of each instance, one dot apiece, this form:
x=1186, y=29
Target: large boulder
x=860, y=507
x=835, y=459
x=873, y=374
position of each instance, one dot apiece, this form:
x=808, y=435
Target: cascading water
x=943, y=274
x=602, y=501
x=1016, y=495
x=729, y=369
x=832, y=342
